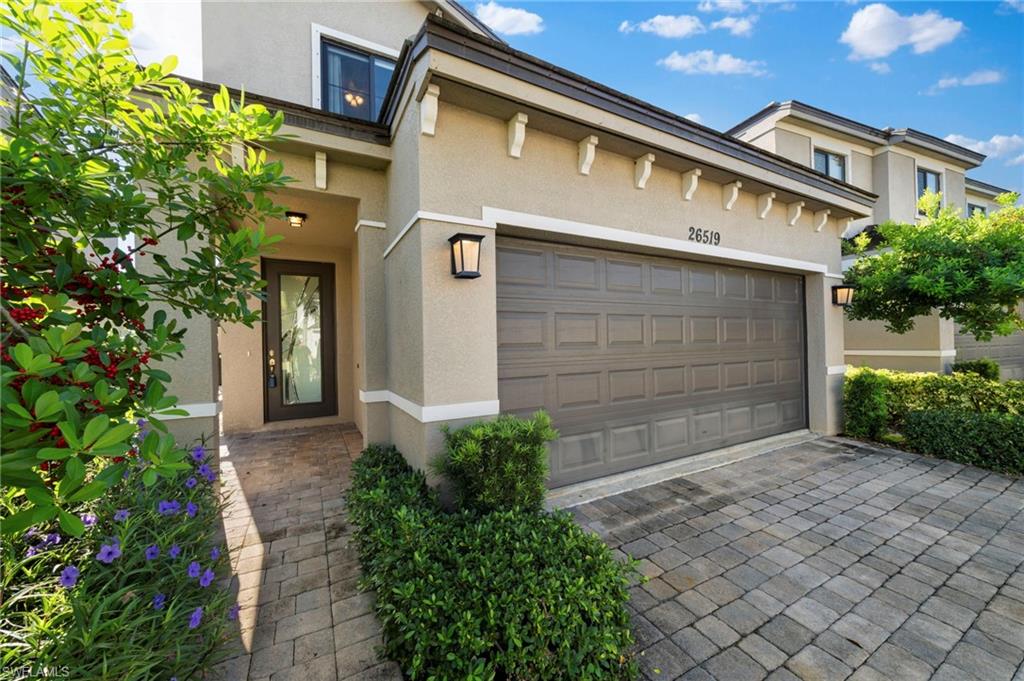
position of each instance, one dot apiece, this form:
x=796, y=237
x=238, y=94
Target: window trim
x=846, y=161
x=318, y=33
x=978, y=206
x=940, y=176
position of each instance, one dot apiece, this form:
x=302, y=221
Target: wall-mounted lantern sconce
x=466, y=255
x=295, y=219
x=842, y=295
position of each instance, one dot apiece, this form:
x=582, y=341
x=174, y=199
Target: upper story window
x=973, y=208
x=928, y=180
x=833, y=165
x=354, y=83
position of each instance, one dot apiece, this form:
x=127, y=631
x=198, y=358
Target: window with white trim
x=353, y=82
x=973, y=208
x=833, y=165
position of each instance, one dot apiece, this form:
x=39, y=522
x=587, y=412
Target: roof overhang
x=482, y=74
x=984, y=188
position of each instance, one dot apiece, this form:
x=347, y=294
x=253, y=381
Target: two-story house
x=898, y=166
x=473, y=230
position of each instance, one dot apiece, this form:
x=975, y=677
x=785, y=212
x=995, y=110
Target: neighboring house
x=898, y=166
x=661, y=288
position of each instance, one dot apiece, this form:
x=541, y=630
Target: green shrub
x=984, y=367
x=994, y=441
x=502, y=595
x=866, y=411
x=88, y=612
x=498, y=465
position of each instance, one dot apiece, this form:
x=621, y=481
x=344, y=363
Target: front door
x=299, y=351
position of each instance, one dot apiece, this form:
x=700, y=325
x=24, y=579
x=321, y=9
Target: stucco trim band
x=902, y=353
x=195, y=410
x=432, y=414
x=837, y=369
x=436, y=217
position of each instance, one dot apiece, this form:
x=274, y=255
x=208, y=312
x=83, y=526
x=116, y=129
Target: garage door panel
x=641, y=360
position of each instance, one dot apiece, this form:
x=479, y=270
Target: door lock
x=271, y=376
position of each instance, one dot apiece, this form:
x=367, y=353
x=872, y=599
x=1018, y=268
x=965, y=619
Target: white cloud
x=1018, y=161
x=667, y=26
x=980, y=77
x=880, y=67
x=166, y=28
x=739, y=26
x=876, y=31
x=707, y=62
x=1012, y=6
x=996, y=146
x=730, y=6
x=509, y=20
x=695, y=117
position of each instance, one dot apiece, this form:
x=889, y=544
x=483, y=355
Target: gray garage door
x=640, y=360
x=1007, y=350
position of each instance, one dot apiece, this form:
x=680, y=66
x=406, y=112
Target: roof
x=457, y=8
x=446, y=36
x=980, y=187
x=871, y=134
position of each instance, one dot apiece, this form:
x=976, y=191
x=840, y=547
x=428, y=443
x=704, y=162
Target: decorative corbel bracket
x=821, y=219
x=730, y=192
x=690, y=180
x=320, y=170
x=517, y=134
x=642, y=170
x=588, y=150
x=764, y=204
x=428, y=110
x=795, y=210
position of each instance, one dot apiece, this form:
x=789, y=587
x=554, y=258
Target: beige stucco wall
x=794, y=146
x=265, y=47
x=980, y=200
x=929, y=346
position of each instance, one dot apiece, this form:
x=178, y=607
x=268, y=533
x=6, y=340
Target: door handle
x=271, y=376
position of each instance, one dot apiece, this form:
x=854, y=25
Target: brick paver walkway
x=302, y=618
x=826, y=560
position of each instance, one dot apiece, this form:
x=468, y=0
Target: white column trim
x=433, y=413
x=436, y=217
x=196, y=410
x=375, y=224
x=901, y=353
x=837, y=369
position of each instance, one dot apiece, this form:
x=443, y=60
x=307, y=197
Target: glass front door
x=299, y=344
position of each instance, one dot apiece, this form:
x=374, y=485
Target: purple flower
x=191, y=482
x=198, y=453
x=69, y=576
x=171, y=507
x=51, y=539
x=88, y=519
x=205, y=471
x=233, y=612
x=31, y=551
x=214, y=553
x=174, y=551
x=193, y=569
x=196, y=618
x=121, y=515
x=109, y=552
x=207, y=578
x=191, y=509
x=158, y=601
x=141, y=423
x=31, y=532
x=152, y=551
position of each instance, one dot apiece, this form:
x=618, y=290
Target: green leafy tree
x=968, y=268
x=103, y=151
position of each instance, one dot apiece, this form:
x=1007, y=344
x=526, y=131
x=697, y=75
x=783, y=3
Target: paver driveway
x=825, y=560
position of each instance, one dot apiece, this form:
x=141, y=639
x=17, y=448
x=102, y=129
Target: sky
x=951, y=69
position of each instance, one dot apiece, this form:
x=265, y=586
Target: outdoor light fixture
x=466, y=255
x=295, y=219
x=842, y=295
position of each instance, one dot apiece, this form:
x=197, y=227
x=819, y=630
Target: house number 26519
x=705, y=236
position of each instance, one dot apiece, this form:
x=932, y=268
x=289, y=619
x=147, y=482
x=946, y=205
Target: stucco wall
x=794, y=146
x=254, y=44
x=926, y=347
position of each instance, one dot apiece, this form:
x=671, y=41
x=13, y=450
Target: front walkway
x=826, y=560
x=302, y=618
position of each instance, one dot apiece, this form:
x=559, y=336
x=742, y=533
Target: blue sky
x=945, y=68
x=951, y=69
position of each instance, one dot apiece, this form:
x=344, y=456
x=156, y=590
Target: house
x=661, y=288
x=898, y=166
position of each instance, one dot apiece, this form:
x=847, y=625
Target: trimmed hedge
x=984, y=367
x=498, y=465
x=866, y=412
x=994, y=441
x=502, y=595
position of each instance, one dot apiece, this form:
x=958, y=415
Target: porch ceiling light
x=295, y=219
x=843, y=295
x=466, y=255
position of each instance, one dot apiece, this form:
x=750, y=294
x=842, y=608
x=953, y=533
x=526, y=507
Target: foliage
x=65, y=609
x=865, y=409
x=993, y=441
x=501, y=595
x=970, y=269
x=984, y=367
x=100, y=167
x=499, y=464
